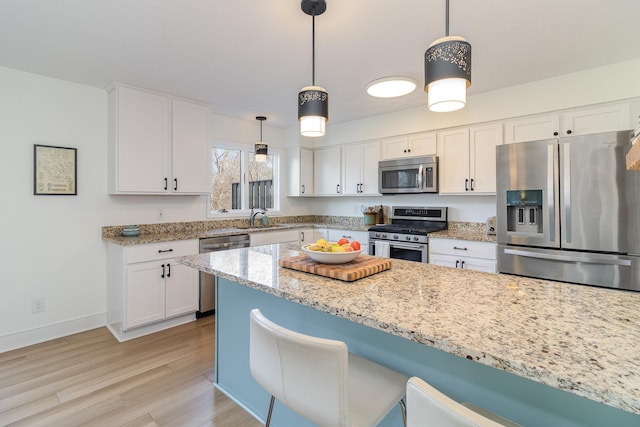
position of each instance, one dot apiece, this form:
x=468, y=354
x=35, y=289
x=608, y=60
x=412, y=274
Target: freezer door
x=599, y=198
x=612, y=271
x=527, y=194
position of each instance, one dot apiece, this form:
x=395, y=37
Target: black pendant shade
x=313, y=101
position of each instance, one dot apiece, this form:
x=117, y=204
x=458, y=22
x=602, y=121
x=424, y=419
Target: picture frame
x=55, y=170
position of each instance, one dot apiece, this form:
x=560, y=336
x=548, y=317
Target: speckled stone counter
x=166, y=232
x=465, y=231
x=579, y=339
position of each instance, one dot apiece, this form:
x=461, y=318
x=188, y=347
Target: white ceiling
x=249, y=57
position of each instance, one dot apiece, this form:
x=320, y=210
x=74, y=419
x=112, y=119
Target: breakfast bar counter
x=534, y=351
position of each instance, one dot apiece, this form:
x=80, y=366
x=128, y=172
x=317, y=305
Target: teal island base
x=519, y=399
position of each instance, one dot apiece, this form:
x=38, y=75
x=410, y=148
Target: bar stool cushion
x=427, y=406
x=318, y=378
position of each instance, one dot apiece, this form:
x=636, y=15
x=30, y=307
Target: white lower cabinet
x=306, y=236
x=465, y=254
x=147, y=290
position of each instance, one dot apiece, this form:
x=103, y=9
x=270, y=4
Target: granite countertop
x=580, y=339
x=155, y=233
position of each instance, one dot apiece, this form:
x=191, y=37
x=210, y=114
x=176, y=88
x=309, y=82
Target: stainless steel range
x=406, y=236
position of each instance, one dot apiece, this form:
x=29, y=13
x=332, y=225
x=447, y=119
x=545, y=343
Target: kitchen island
x=537, y=352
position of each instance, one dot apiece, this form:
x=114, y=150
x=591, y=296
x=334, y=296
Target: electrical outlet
x=161, y=214
x=37, y=305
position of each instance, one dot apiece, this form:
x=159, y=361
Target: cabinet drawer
x=162, y=250
x=467, y=248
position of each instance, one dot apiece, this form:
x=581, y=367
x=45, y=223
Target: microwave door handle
x=419, y=177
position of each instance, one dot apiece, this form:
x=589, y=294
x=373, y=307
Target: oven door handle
x=406, y=246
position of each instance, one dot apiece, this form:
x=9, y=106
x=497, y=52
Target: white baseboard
x=49, y=332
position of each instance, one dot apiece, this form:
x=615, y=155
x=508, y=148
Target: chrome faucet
x=252, y=216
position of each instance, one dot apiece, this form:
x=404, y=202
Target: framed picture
x=54, y=171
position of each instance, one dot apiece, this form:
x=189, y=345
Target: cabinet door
x=444, y=260
x=142, y=141
x=531, y=128
x=145, y=294
x=326, y=168
x=423, y=144
x=181, y=289
x=395, y=147
x=598, y=119
x=300, y=172
x=476, y=264
x=453, y=152
x=370, y=159
x=191, y=152
x=305, y=236
x=352, y=181
x=483, y=141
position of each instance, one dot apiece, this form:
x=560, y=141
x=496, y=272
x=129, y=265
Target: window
x=239, y=183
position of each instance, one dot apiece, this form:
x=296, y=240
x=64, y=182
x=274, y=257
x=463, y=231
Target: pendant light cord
x=447, y=20
x=313, y=46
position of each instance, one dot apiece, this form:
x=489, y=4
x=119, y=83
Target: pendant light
x=447, y=71
x=313, y=101
x=261, y=147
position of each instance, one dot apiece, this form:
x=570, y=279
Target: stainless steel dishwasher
x=207, y=281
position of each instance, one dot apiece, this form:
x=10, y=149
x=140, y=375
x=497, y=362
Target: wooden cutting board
x=360, y=267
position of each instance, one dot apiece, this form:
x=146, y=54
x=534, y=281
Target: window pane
x=260, y=176
x=226, y=183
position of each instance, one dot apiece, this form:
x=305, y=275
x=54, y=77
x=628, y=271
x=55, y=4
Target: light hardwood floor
x=90, y=379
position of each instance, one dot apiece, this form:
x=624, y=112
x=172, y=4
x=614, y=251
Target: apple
x=348, y=249
x=355, y=245
x=343, y=241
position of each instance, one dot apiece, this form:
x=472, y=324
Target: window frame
x=247, y=150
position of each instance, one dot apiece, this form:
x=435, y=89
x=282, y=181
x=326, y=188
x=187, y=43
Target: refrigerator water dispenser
x=523, y=211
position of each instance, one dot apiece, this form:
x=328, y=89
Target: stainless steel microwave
x=410, y=175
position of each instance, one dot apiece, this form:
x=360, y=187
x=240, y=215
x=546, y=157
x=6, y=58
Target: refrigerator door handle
x=569, y=258
x=566, y=192
x=551, y=161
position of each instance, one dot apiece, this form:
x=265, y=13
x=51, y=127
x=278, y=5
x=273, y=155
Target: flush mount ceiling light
x=391, y=87
x=261, y=147
x=313, y=101
x=447, y=71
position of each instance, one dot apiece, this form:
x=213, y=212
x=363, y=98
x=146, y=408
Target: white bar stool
x=426, y=406
x=319, y=379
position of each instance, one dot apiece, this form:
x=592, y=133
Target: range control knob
x=395, y=237
x=416, y=238
x=407, y=238
x=384, y=236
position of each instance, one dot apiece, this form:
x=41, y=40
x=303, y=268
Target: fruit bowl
x=331, y=257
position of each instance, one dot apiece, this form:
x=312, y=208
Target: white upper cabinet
x=419, y=144
x=326, y=172
x=467, y=158
x=300, y=169
x=578, y=121
x=191, y=160
x=157, y=144
x=360, y=168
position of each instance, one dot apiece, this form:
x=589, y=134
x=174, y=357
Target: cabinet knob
x=555, y=134
x=405, y=150
x=569, y=132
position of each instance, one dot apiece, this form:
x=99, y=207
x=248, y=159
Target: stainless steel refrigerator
x=568, y=210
